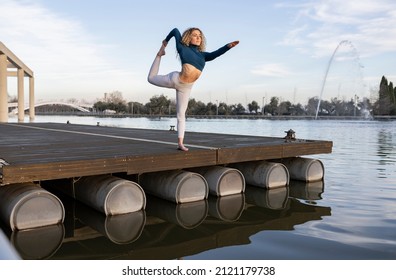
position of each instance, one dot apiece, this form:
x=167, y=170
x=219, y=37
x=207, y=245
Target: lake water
x=350, y=215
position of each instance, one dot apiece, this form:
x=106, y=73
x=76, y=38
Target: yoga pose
x=191, y=49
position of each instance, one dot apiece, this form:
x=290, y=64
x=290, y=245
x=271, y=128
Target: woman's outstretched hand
x=233, y=44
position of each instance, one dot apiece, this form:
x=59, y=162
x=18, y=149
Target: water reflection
x=386, y=152
x=120, y=229
x=187, y=215
x=386, y=147
x=227, y=208
x=275, y=199
x=169, y=231
x=38, y=243
x=309, y=191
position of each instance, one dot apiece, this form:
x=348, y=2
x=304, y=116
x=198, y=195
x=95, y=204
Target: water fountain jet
x=344, y=42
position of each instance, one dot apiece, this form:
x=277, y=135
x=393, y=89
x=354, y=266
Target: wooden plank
x=242, y=154
x=61, y=170
x=179, y=160
x=308, y=147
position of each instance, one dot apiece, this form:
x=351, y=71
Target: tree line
x=383, y=104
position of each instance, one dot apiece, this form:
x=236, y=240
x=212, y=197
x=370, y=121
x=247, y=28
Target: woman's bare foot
x=161, y=51
x=183, y=148
x=180, y=145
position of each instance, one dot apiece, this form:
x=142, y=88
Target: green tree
x=237, y=109
x=284, y=108
x=112, y=101
x=136, y=108
x=326, y=107
x=384, y=103
x=158, y=105
x=196, y=107
x=336, y=107
x=297, y=110
x=392, y=99
x=312, y=106
x=211, y=109
x=224, y=109
x=272, y=106
x=253, y=107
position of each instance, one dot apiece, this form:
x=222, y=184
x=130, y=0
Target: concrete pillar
x=21, y=92
x=3, y=89
x=32, y=113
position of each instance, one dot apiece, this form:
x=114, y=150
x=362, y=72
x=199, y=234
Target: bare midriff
x=189, y=74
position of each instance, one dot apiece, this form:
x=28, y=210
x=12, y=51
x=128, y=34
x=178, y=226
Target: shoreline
x=247, y=117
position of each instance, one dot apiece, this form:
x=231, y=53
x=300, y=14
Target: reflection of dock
x=48, y=151
x=167, y=237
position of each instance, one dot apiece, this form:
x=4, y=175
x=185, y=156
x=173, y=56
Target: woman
x=191, y=49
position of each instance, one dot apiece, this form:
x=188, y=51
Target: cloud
x=47, y=39
x=58, y=49
x=320, y=25
x=271, y=70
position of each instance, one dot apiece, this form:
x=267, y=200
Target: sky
x=292, y=50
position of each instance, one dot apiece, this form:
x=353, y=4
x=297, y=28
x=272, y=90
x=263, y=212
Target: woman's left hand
x=233, y=44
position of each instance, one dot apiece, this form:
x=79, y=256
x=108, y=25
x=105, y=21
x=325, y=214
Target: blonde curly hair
x=186, y=38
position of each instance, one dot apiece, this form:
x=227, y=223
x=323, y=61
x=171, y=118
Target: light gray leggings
x=182, y=92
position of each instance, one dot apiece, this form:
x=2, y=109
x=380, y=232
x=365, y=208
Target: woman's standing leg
x=182, y=98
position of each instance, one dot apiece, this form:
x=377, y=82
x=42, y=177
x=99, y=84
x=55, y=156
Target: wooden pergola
x=8, y=62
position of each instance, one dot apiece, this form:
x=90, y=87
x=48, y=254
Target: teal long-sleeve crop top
x=191, y=54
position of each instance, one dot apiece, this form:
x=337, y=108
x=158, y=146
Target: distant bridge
x=80, y=107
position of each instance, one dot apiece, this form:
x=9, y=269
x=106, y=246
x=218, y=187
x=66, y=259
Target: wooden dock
x=48, y=151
